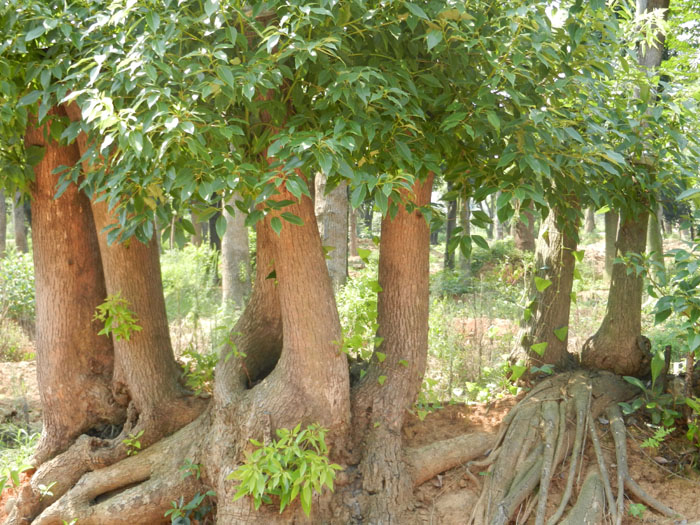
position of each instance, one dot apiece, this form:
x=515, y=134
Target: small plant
x=119, y=320
x=658, y=437
x=296, y=464
x=45, y=490
x=199, y=370
x=190, y=469
x=71, y=522
x=132, y=443
x=636, y=510
x=183, y=513
x=428, y=399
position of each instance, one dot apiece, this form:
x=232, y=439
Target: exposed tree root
x=545, y=430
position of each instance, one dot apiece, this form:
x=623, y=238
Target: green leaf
x=306, y=499
x=416, y=10
x=542, y=284
x=539, y=348
x=272, y=42
x=364, y=254
x=578, y=255
x=35, y=33
x=290, y=217
x=433, y=38
x=480, y=242
x=29, y=99
x=494, y=120
x=561, y=333
x=381, y=380
x=276, y=225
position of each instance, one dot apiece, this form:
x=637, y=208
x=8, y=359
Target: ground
x=448, y=498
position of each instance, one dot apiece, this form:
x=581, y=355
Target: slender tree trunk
x=353, y=233
x=74, y=364
x=618, y=346
x=332, y=217
x=590, y=220
x=214, y=239
x=449, y=262
x=655, y=241
x=235, y=258
x=20, y=224
x=494, y=216
x=523, y=232
x=488, y=211
x=369, y=217
x=465, y=263
x=197, y=225
x=3, y=224
x=392, y=383
x=611, y=226
x=549, y=312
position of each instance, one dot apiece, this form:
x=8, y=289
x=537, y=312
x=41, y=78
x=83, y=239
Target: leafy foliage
x=17, y=287
x=133, y=443
x=119, y=320
x=296, y=464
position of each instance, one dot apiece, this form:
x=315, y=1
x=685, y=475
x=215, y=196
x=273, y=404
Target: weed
x=133, y=443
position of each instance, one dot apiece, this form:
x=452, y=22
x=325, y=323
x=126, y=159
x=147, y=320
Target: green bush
x=14, y=343
x=17, y=288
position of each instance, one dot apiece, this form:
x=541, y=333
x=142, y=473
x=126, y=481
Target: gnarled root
x=137, y=490
x=538, y=438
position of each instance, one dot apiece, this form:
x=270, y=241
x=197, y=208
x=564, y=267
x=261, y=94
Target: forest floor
x=447, y=499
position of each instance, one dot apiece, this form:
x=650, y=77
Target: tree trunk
x=611, y=224
x=74, y=364
x=524, y=233
x=488, y=211
x=20, y=224
x=235, y=259
x=197, y=225
x=368, y=216
x=465, y=263
x=549, y=311
x=451, y=223
x=655, y=241
x=394, y=378
x=618, y=346
x=3, y=224
x=353, y=233
x=590, y=220
x=494, y=217
x=332, y=217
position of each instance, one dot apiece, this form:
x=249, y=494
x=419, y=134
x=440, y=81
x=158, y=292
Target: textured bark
x=332, y=216
x=617, y=345
x=391, y=385
x=74, y=364
x=611, y=224
x=450, y=225
x=465, y=263
x=494, y=216
x=524, y=233
x=197, y=225
x=353, y=233
x=655, y=241
x=20, y=224
x=235, y=259
x=590, y=220
x=554, y=261
x=3, y=224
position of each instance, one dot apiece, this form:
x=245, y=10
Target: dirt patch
x=19, y=394
x=9, y=493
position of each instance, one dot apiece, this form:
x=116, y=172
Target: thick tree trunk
x=524, y=233
x=332, y=217
x=397, y=367
x=611, y=225
x=235, y=259
x=3, y=224
x=74, y=364
x=20, y=224
x=618, y=345
x=655, y=241
x=590, y=220
x=549, y=312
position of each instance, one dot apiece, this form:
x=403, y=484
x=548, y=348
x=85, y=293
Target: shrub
x=17, y=288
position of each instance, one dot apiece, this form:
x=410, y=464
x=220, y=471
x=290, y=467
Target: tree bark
x=3, y=224
x=353, y=233
x=494, y=216
x=590, y=220
x=524, y=233
x=549, y=311
x=450, y=225
x=332, y=217
x=611, y=224
x=618, y=346
x=235, y=259
x=20, y=224
x=74, y=364
x=655, y=241
x=465, y=263
x=397, y=367
x=197, y=225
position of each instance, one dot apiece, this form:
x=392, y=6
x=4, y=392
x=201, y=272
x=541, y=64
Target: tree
x=3, y=224
x=523, y=231
x=611, y=222
x=20, y=224
x=590, y=220
x=235, y=257
x=331, y=206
